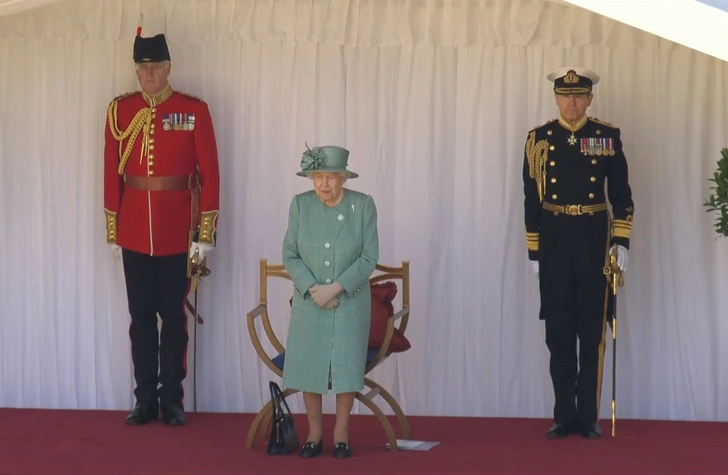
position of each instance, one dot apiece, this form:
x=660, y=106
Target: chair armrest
x=262, y=311
x=384, y=349
x=404, y=316
x=257, y=311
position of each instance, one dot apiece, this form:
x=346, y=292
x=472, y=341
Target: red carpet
x=35, y=442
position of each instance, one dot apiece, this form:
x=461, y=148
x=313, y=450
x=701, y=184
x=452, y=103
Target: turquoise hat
x=329, y=158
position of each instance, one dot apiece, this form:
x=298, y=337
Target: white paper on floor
x=419, y=445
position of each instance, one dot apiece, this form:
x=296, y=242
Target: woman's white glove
x=322, y=294
x=534, y=266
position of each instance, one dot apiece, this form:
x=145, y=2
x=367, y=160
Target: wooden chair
x=375, y=357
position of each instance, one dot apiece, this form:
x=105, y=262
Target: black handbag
x=283, y=437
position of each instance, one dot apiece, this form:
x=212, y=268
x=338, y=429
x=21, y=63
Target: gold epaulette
x=543, y=125
x=190, y=95
x=122, y=96
x=601, y=122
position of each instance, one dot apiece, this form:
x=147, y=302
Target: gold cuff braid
x=208, y=228
x=622, y=228
x=110, y=226
x=532, y=241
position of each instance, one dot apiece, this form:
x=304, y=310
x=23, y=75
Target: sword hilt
x=613, y=272
x=198, y=268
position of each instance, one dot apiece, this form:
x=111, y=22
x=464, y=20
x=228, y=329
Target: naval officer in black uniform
x=570, y=233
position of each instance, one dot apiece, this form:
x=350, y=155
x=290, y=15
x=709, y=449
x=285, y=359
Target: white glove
x=323, y=293
x=534, y=266
x=115, y=250
x=622, y=257
x=205, y=249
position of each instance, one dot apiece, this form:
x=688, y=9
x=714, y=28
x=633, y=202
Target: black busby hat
x=151, y=50
x=573, y=80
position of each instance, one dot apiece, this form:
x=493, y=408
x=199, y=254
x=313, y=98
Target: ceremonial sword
x=197, y=271
x=616, y=279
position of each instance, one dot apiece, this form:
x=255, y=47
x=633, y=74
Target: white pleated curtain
x=434, y=100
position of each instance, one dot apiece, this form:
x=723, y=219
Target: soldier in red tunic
x=161, y=199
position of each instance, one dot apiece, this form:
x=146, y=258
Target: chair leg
x=391, y=438
x=262, y=415
x=401, y=418
x=265, y=424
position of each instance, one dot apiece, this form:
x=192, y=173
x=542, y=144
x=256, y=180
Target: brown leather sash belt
x=170, y=183
x=162, y=183
x=574, y=210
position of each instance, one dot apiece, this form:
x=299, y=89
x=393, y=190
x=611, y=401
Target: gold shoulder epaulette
x=122, y=96
x=543, y=125
x=601, y=122
x=190, y=95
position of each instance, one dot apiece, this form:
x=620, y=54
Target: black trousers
x=574, y=292
x=157, y=285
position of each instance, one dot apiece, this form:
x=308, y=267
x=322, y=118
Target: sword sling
x=616, y=280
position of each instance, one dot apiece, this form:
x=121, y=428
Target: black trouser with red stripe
x=157, y=284
x=573, y=290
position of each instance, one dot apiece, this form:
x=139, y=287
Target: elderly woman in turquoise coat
x=330, y=250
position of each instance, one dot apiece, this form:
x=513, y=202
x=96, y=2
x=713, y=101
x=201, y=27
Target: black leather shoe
x=591, y=430
x=173, y=415
x=142, y=414
x=311, y=449
x=559, y=430
x=342, y=450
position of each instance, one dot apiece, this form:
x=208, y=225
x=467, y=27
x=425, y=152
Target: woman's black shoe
x=342, y=450
x=311, y=449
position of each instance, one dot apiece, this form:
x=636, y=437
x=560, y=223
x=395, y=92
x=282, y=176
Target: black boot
x=173, y=415
x=560, y=430
x=143, y=413
x=591, y=430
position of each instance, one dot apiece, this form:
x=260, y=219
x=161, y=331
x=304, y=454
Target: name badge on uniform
x=178, y=121
x=597, y=146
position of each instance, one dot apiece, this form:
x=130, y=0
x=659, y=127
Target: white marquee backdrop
x=434, y=100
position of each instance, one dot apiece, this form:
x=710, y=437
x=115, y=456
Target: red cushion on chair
x=382, y=296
